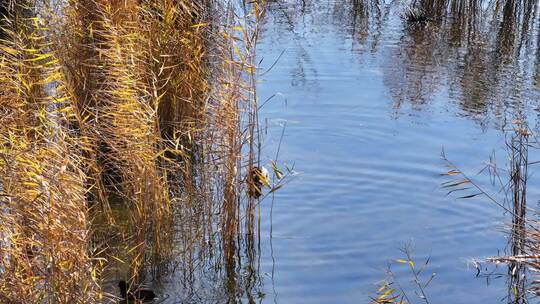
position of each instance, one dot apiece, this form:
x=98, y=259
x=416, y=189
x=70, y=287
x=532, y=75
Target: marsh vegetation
x=132, y=159
x=127, y=133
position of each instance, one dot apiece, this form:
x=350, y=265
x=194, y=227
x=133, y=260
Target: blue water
x=366, y=117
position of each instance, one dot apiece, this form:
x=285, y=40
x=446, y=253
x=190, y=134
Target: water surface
x=369, y=104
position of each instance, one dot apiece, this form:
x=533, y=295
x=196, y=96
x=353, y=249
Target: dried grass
x=125, y=132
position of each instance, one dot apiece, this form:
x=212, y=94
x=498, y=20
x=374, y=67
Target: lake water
x=369, y=104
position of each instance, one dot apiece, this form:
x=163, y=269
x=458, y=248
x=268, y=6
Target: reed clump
x=126, y=131
x=523, y=253
x=44, y=231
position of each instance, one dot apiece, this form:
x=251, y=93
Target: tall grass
x=44, y=226
x=127, y=129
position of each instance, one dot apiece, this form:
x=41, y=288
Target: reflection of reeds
x=518, y=146
x=124, y=131
x=476, y=46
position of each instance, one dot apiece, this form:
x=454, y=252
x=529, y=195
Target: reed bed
x=44, y=229
x=127, y=134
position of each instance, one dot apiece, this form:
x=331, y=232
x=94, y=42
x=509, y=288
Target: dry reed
x=43, y=251
x=123, y=143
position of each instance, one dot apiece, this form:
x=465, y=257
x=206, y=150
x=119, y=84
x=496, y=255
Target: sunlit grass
x=127, y=129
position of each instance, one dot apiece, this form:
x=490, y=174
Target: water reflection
x=485, y=54
x=217, y=258
x=209, y=264
x=471, y=61
x=484, y=75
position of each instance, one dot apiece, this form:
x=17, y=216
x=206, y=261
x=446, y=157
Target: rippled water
x=368, y=106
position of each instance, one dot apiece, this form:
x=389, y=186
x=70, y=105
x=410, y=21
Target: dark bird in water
x=135, y=294
x=259, y=178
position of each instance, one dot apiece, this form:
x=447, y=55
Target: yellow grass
x=130, y=106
